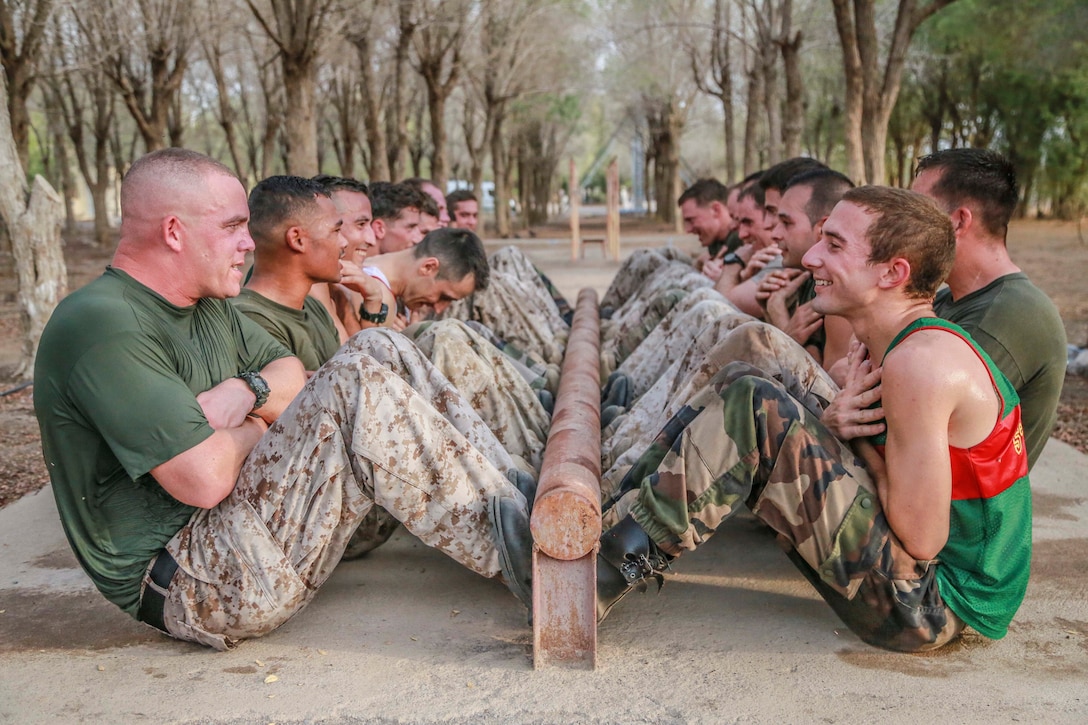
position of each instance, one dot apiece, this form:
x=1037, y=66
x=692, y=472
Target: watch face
x=258, y=385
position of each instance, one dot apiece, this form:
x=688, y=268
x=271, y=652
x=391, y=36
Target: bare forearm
x=206, y=473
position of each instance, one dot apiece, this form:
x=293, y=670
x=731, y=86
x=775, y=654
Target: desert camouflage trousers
x=539, y=374
x=512, y=260
x=743, y=440
x=652, y=299
x=728, y=339
x=431, y=356
x=490, y=383
x=672, y=336
x=518, y=312
x=635, y=269
x=356, y=436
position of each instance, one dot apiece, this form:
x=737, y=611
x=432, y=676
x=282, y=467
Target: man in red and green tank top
x=908, y=544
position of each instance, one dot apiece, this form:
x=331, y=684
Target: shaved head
x=184, y=226
x=164, y=182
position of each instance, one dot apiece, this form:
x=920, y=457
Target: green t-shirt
x=1020, y=329
x=309, y=333
x=115, y=384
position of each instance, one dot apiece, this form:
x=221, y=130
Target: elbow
x=925, y=548
x=208, y=494
x=210, y=497
x=202, y=491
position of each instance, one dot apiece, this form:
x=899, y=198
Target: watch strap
x=258, y=385
x=376, y=317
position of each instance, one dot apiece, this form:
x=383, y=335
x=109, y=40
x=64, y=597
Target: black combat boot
x=514, y=541
x=617, y=391
x=524, y=482
x=627, y=558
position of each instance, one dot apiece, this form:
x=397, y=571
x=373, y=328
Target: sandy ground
x=407, y=636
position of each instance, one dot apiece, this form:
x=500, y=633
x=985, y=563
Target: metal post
x=566, y=520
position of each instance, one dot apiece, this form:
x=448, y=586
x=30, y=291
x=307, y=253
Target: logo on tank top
x=1018, y=439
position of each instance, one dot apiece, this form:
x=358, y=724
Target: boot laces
x=637, y=567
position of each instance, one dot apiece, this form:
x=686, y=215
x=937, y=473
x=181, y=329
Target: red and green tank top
x=983, y=568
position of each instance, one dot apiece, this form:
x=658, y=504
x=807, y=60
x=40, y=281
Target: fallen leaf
x=270, y=678
x=322, y=652
x=259, y=663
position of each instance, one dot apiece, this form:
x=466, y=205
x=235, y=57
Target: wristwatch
x=258, y=385
x=733, y=258
x=376, y=317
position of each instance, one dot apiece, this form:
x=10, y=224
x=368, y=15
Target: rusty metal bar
x=566, y=520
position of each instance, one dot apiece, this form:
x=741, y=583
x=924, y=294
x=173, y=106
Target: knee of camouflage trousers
x=350, y=440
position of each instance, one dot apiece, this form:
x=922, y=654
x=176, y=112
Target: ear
x=173, y=233
x=818, y=227
x=378, y=225
x=962, y=220
x=428, y=267
x=896, y=273
x=296, y=239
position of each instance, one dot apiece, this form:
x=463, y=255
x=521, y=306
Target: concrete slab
x=405, y=636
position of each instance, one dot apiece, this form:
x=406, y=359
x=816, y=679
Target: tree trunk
x=476, y=149
x=19, y=50
x=752, y=160
x=851, y=60
x=63, y=171
x=436, y=104
x=34, y=230
x=794, y=125
x=665, y=127
x=226, y=110
x=872, y=87
x=300, y=123
x=768, y=59
x=498, y=167
x=20, y=83
x=728, y=115
x=377, y=166
x=398, y=153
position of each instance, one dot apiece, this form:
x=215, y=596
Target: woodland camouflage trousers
x=743, y=440
x=356, y=436
x=728, y=339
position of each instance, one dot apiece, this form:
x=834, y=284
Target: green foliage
x=1012, y=75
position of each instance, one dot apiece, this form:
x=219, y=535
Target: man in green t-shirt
x=204, y=486
x=296, y=233
x=987, y=294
